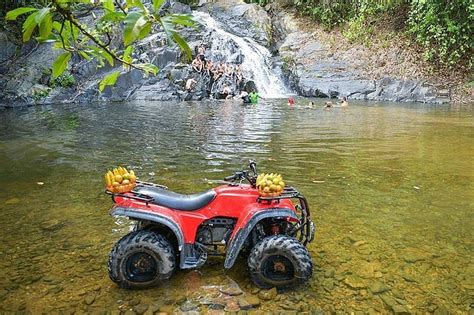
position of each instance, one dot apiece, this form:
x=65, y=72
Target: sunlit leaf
x=60, y=64
x=46, y=26
x=41, y=14
x=108, y=80
x=134, y=24
x=127, y=54
x=108, y=57
x=183, y=45
x=13, y=14
x=147, y=67
x=157, y=4
x=29, y=26
x=114, y=16
x=108, y=5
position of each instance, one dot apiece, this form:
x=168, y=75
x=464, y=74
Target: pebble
x=232, y=306
x=253, y=300
x=89, y=299
x=231, y=290
x=355, y=282
x=268, y=294
x=188, y=306
x=134, y=302
x=378, y=287
x=141, y=308
x=12, y=201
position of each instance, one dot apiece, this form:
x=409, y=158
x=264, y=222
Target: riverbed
x=390, y=186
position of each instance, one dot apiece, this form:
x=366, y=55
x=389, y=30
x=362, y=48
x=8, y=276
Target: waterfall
x=255, y=59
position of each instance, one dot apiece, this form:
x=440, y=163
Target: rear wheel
x=141, y=259
x=279, y=261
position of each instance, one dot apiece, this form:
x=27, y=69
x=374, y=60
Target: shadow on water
x=390, y=187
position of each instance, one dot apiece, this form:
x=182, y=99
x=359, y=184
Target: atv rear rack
x=134, y=195
x=306, y=226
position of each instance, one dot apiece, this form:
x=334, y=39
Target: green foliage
x=108, y=80
x=60, y=22
x=39, y=94
x=445, y=29
x=64, y=80
x=259, y=2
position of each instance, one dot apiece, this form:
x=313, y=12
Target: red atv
x=174, y=230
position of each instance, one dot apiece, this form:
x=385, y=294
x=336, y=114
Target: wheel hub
x=279, y=266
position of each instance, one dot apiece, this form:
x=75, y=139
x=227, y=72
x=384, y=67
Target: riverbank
x=383, y=66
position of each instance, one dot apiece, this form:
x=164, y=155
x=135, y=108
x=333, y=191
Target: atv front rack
x=306, y=227
x=135, y=195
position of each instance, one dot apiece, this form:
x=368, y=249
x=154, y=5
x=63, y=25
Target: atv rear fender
x=156, y=218
x=241, y=235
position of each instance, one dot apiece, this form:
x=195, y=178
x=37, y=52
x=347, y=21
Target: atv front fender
x=153, y=217
x=241, y=235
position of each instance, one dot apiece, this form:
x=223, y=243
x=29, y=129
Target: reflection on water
x=390, y=187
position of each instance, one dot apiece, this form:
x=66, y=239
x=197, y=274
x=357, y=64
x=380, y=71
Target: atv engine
x=215, y=231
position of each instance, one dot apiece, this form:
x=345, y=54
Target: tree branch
x=68, y=16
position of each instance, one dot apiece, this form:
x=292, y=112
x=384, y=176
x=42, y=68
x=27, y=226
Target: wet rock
x=231, y=290
x=51, y=225
x=12, y=201
x=3, y=293
x=355, y=282
x=413, y=255
x=232, y=306
x=55, y=289
x=268, y=294
x=328, y=284
x=400, y=310
x=189, y=306
x=253, y=300
x=378, y=287
x=134, y=302
x=141, y=308
x=89, y=299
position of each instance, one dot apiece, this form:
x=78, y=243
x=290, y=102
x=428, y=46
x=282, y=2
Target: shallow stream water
x=390, y=186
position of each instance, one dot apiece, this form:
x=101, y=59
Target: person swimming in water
x=344, y=102
x=254, y=97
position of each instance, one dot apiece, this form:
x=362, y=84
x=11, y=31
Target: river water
x=390, y=186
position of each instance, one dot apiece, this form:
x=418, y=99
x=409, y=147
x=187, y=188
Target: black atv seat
x=169, y=199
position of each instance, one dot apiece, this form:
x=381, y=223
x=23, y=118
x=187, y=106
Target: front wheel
x=279, y=261
x=141, y=259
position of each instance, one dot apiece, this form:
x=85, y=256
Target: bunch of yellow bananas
x=270, y=184
x=119, y=180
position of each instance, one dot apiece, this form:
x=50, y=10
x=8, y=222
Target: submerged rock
x=378, y=287
x=268, y=294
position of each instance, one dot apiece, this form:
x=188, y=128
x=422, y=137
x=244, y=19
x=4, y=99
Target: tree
x=62, y=22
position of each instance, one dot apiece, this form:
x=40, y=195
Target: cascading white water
x=255, y=59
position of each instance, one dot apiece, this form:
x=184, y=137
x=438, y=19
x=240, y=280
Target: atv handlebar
x=240, y=175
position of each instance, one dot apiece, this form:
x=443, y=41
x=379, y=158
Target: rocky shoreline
x=309, y=65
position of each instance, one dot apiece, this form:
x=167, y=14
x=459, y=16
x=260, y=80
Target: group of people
x=215, y=70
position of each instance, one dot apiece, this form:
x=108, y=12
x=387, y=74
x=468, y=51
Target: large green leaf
x=134, y=24
x=41, y=14
x=46, y=26
x=183, y=45
x=108, y=57
x=157, y=4
x=127, y=54
x=108, y=5
x=109, y=79
x=13, y=14
x=147, y=67
x=60, y=64
x=29, y=26
x=114, y=16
